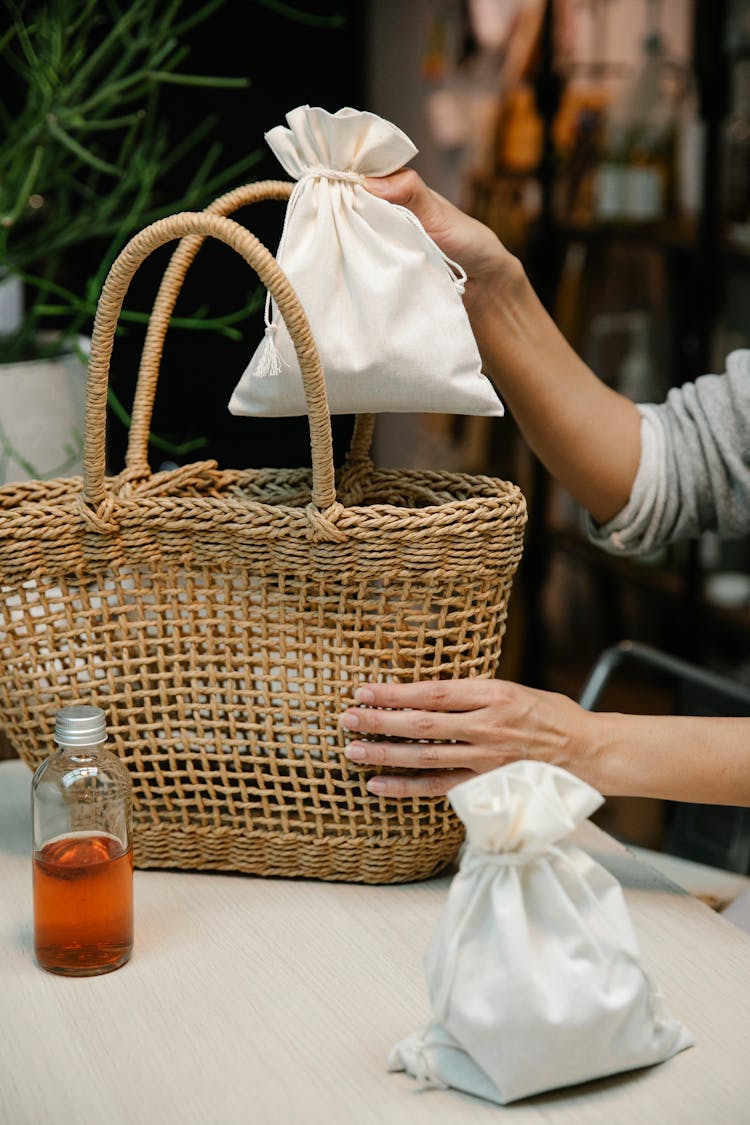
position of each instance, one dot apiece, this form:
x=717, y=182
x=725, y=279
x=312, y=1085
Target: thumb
x=463, y=238
x=407, y=189
x=398, y=187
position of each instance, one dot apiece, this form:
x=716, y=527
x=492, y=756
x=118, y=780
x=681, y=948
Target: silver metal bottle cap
x=80, y=726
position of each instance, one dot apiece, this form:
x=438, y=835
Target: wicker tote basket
x=223, y=618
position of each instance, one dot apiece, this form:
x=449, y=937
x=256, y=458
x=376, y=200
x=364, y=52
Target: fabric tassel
x=269, y=358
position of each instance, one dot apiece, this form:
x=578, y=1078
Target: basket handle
x=136, y=458
x=203, y=224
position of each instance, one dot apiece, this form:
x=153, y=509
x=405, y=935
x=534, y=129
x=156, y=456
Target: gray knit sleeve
x=694, y=472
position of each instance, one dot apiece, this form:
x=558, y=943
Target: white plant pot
x=42, y=405
x=11, y=302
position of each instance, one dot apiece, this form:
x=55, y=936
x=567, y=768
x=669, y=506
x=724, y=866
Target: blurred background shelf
x=607, y=142
x=667, y=285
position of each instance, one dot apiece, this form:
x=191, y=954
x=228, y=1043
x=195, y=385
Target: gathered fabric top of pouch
x=522, y=808
x=346, y=141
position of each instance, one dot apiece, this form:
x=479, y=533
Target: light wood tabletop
x=275, y=1002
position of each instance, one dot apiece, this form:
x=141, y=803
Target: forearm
x=678, y=758
x=586, y=434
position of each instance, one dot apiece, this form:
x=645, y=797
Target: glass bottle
x=636, y=179
x=82, y=851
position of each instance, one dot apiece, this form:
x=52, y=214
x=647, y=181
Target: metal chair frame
x=718, y=835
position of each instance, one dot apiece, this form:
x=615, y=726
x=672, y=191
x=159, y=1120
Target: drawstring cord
x=457, y=272
x=269, y=360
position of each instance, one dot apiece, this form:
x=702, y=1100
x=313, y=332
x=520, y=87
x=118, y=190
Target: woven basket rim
x=64, y=491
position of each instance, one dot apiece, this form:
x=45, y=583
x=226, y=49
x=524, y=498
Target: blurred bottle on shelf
x=638, y=378
x=578, y=133
x=631, y=367
x=737, y=173
x=520, y=132
x=690, y=144
x=637, y=177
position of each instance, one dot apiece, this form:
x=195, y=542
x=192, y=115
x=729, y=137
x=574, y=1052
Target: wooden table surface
x=271, y=1002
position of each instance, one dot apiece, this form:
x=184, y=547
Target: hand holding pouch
x=534, y=974
x=384, y=303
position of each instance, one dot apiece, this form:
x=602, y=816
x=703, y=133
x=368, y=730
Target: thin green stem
x=106, y=124
x=25, y=189
x=308, y=18
x=110, y=41
x=166, y=78
x=78, y=149
x=164, y=444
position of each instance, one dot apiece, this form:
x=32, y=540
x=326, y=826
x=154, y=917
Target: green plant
x=86, y=151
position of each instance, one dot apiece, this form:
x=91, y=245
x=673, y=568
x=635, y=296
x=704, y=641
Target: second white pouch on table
x=534, y=974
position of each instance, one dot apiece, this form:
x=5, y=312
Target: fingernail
x=355, y=752
x=376, y=785
x=364, y=695
x=350, y=720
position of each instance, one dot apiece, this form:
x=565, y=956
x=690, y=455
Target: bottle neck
x=80, y=753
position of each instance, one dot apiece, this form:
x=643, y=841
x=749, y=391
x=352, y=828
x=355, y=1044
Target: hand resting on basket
x=467, y=727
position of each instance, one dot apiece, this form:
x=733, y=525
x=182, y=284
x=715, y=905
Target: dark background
x=289, y=63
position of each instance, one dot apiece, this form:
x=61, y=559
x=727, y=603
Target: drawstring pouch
x=383, y=301
x=534, y=973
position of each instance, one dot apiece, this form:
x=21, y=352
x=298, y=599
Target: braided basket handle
x=136, y=458
x=201, y=224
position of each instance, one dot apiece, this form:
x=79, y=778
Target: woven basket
x=223, y=619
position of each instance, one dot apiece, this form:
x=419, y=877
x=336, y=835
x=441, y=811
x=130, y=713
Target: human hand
x=474, y=246
x=473, y=725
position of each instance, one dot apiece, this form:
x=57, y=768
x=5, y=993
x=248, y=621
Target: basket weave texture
x=223, y=618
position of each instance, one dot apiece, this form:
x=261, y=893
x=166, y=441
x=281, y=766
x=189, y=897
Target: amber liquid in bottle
x=83, y=904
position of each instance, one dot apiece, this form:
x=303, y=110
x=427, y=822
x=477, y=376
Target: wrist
x=497, y=285
x=626, y=753
x=600, y=762
x=507, y=318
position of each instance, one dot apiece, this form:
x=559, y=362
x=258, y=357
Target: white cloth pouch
x=384, y=303
x=534, y=974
